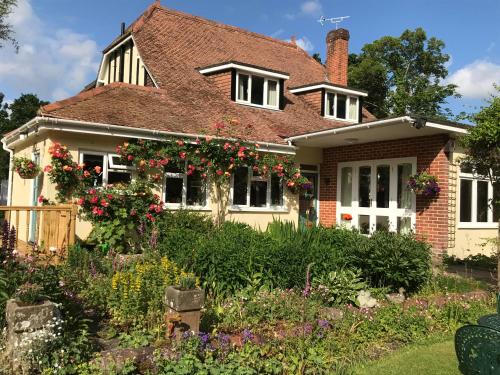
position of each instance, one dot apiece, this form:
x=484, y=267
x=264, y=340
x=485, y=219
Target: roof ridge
x=178, y=13
x=86, y=95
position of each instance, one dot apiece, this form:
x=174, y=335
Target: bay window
x=341, y=107
x=477, y=202
x=183, y=190
x=250, y=189
x=257, y=90
x=112, y=170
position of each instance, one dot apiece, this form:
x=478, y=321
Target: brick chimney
x=337, y=55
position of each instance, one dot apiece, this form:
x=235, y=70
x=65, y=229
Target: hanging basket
x=424, y=184
x=26, y=168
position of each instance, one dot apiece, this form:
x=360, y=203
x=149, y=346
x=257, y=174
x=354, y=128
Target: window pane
x=341, y=106
x=496, y=203
x=465, y=200
x=173, y=190
x=404, y=225
x=330, y=104
x=240, y=186
x=383, y=182
x=92, y=161
x=382, y=223
x=196, y=190
x=272, y=93
x=482, y=201
x=119, y=178
x=258, y=193
x=365, y=174
x=276, y=191
x=243, y=87
x=404, y=194
x=173, y=168
x=346, y=187
x=257, y=90
x=364, y=224
x=353, y=108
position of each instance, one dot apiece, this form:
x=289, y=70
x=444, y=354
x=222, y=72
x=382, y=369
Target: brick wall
x=432, y=219
x=313, y=98
x=337, y=56
x=223, y=81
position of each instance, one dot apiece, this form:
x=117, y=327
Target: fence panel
x=52, y=228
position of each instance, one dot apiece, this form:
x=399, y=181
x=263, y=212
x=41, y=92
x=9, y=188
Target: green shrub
x=338, y=287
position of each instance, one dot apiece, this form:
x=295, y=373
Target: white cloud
x=476, y=79
x=312, y=7
x=51, y=63
x=307, y=8
x=304, y=43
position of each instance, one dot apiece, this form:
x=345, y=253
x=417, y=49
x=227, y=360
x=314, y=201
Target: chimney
x=122, y=29
x=337, y=55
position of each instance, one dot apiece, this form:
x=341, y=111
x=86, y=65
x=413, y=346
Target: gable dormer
x=122, y=62
x=248, y=84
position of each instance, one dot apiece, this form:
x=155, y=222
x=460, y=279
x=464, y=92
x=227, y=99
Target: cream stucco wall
x=22, y=189
x=469, y=241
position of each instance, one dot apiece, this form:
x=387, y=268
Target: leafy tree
x=6, y=32
x=21, y=111
x=482, y=145
x=316, y=56
x=403, y=75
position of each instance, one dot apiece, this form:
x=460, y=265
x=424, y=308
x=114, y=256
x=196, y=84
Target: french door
x=373, y=195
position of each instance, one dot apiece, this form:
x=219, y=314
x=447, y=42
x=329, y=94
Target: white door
x=372, y=195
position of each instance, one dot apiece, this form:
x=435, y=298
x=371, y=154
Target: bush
x=338, y=287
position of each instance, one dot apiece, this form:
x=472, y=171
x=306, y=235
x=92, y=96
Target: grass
x=436, y=358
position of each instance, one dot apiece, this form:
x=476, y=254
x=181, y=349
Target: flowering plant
x=66, y=174
x=29, y=293
x=424, y=183
x=346, y=217
x=26, y=168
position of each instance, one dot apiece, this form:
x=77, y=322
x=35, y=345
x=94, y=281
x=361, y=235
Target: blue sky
x=61, y=40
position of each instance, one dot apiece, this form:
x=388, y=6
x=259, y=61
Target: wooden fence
x=50, y=227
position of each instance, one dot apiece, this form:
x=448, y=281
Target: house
x=172, y=73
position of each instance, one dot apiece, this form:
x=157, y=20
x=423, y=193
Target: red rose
x=219, y=172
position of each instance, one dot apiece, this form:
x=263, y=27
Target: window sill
x=258, y=106
x=177, y=207
x=348, y=121
x=280, y=210
x=477, y=225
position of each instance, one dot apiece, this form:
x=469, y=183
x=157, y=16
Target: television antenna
x=335, y=20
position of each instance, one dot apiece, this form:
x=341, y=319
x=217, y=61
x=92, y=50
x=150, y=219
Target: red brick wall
x=432, y=219
x=223, y=82
x=337, y=56
x=313, y=98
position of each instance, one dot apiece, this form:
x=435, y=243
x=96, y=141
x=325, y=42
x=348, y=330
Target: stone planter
x=184, y=310
x=25, y=322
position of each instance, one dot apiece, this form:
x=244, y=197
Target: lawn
x=436, y=358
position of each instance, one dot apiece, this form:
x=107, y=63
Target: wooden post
x=72, y=230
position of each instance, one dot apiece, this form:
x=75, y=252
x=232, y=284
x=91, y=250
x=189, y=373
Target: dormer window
x=341, y=107
x=257, y=90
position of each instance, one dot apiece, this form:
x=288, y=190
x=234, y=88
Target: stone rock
x=184, y=300
x=332, y=314
x=113, y=361
x=397, y=298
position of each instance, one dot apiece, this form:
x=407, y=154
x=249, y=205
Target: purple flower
x=186, y=335
x=247, y=336
x=323, y=324
x=308, y=328
x=307, y=290
x=223, y=340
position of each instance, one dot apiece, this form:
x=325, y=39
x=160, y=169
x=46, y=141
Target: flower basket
x=424, y=184
x=26, y=168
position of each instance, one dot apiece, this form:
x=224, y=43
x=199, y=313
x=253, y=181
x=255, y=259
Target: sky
x=61, y=40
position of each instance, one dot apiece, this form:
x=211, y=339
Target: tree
x=404, y=75
x=482, y=145
x=21, y=111
x=6, y=32
x=316, y=56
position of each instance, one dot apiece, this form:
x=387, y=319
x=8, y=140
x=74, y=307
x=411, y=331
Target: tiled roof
x=172, y=45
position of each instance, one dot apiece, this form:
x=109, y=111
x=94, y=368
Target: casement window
x=113, y=171
x=183, y=190
x=477, y=204
x=257, y=90
x=251, y=190
x=341, y=107
x=373, y=195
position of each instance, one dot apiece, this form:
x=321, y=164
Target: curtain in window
x=272, y=93
x=404, y=194
x=353, y=108
x=243, y=87
x=346, y=187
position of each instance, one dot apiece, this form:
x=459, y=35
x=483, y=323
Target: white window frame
x=347, y=103
x=247, y=207
x=108, y=165
x=183, y=204
x=392, y=212
x=474, y=224
x=249, y=90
